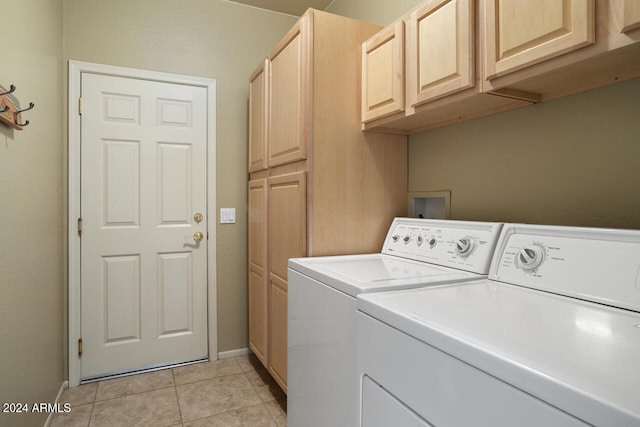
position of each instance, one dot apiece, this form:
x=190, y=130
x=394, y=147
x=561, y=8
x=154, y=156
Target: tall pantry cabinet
x=318, y=185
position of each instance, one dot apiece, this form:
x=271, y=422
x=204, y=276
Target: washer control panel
x=464, y=245
x=599, y=265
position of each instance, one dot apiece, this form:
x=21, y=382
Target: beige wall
x=380, y=12
x=214, y=39
x=31, y=211
x=571, y=161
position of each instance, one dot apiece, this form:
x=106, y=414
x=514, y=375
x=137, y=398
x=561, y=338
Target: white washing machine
x=322, y=383
x=551, y=338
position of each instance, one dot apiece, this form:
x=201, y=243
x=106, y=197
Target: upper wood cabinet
x=469, y=58
x=518, y=34
x=554, y=48
x=425, y=56
x=440, y=71
x=440, y=50
x=383, y=73
x=289, y=106
x=258, y=135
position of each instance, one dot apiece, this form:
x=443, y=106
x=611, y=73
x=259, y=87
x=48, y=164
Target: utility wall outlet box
x=430, y=204
x=227, y=215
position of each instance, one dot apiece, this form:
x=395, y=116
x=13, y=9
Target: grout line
x=95, y=393
x=91, y=414
x=175, y=390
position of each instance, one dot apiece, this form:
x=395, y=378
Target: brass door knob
x=198, y=236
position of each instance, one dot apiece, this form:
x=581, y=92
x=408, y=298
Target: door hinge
x=79, y=226
x=79, y=347
x=80, y=106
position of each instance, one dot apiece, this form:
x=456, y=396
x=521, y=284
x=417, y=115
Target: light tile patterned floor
x=232, y=392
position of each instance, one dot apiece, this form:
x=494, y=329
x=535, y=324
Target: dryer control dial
x=464, y=247
x=530, y=257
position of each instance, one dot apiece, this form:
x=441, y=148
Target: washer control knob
x=433, y=242
x=530, y=257
x=407, y=239
x=395, y=238
x=464, y=247
x=420, y=240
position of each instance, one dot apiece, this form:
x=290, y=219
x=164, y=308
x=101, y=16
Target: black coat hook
x=11, y=89
x=15, y=115
x=6, y=107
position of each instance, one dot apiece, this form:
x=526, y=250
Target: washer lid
x=355, y=274
x=579, y=356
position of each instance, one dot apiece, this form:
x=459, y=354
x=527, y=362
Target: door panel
x=287, y=221
x=175, y=287
x=288, y=98
x=383, y=73
x=174, y=184
x=122, y=287
x=258, y=292
x=121, y=186
x=143, y=174
x=520, y=33
x=258, y=119
x=278, y=318
x=442, y=44
x=287, y=231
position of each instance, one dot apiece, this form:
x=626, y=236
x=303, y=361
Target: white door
x=143, y=196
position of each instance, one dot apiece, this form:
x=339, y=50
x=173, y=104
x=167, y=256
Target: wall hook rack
x=10, y=112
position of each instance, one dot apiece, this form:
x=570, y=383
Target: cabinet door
x=290, y=97
x=278, y=328
x=383, y=73
x=287, y=221
x=258, y=96
x=520, y=33
x=258, y=290
x=440, y=50
x=630, y=15
x=287, y=238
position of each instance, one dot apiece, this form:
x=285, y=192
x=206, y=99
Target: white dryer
x=551, y=338
x=322, y=383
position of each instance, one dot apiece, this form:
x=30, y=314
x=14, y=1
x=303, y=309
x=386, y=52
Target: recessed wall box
x=430, y=204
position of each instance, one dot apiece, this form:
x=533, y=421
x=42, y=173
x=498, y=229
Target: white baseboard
x=233, y=353
x=63, y=387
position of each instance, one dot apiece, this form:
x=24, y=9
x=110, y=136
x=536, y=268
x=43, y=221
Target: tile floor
x=226, y=393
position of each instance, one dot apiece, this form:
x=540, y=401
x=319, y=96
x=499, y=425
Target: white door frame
x=76, y=69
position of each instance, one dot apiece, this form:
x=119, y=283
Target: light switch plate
x=227, y=215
